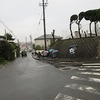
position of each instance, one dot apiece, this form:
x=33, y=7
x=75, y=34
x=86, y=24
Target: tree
x=38, y=47
x=96, y=19
x=73, y=19
x=53, y=35
x=88, y=16
x=8, y=36
x=80, y=17
x=93, y=16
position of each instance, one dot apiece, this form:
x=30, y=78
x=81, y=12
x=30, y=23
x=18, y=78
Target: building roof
x=48, y=36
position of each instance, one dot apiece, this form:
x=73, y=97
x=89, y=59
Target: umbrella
x=73, y=46
x=51, y=50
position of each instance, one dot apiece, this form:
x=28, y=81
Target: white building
x=49, y=40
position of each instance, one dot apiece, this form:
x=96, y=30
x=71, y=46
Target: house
x=49, y=40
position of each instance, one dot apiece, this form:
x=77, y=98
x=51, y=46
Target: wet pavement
x=30, y=79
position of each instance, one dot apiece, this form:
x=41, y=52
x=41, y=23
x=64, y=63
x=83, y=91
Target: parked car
x=24, y=53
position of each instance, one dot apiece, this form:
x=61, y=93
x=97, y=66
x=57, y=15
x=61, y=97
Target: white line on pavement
x=83, y=69
x=61, y=96
x=91, y=66
x=90, y=73
x=43, y=65
x=83, y=88
x=86, y=79
x=95, y=69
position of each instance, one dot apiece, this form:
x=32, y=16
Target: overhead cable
x=7, y=27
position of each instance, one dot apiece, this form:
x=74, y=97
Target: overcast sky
x=23, y=16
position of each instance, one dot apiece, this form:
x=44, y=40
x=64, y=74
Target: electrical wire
x=46, y=2
x=38, y=25
x=7, y=27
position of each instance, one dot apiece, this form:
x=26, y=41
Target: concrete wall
x=87, y=47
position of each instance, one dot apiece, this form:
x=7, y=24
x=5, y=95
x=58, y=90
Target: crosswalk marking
x=85, y=79
x=90, y=73
x=83, y=88
x=87, y=69
x=61, y=96
x=95, y=69
x=84, y=69
x=91, y=66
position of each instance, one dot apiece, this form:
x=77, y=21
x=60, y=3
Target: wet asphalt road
x=30, y=79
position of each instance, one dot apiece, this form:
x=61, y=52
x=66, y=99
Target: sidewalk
x=59, y=62
x=64, y=62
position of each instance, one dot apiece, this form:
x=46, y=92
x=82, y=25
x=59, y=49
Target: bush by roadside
x=8, y=49
x=2, y=61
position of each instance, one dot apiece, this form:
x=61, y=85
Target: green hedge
x=7, y=50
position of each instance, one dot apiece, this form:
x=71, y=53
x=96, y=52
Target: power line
x=38, y=24
x=46, y=1
x=7, y=27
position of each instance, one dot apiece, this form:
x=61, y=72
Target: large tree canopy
x=89, y=15
x=73, y=19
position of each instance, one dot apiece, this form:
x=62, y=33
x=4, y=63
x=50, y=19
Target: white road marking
x=43, y=65
x=90, y=73
x=83, y=88
x=94, y=79
x=83, y=69
x=93, y=64
x=61, y=96
x=95, y=69
x=86, y=79
x=77, y=78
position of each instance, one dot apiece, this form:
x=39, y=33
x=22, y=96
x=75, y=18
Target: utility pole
x=44, y=23
x=26, y=43
x=5, y=35
x=31, y=45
